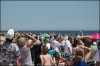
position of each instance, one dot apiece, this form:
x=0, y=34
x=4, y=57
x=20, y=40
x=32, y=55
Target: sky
x=50, y=15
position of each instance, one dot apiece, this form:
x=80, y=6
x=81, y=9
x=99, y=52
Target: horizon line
x=53, y=30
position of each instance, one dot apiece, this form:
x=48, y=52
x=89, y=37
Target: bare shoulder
x=41, y=55
x=49, y=55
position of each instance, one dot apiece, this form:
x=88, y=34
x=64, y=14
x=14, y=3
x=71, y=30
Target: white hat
x=10, y=34
x=66, y=38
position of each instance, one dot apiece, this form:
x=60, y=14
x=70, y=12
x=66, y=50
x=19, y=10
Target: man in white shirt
x=67, y=49
x=97, y=55
x=55, y=44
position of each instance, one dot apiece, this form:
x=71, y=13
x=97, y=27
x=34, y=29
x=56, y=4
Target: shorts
x=56, y=55
x=90, y=63
x=67, y=57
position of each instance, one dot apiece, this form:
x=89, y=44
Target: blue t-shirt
x=83, y=63
x=51, y=52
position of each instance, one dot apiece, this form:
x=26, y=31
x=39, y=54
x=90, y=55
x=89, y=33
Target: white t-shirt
x=56, y=45
x=48, y=45
x=51, y=39
x=67, y=44
x=97, y=56
x=25, y=56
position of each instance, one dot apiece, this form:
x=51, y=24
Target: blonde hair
x=79, y=54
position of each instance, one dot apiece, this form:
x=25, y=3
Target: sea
x=63, y=32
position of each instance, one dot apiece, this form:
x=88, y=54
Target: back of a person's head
x=88, y=42
x=55, y=36
x=71, y=36
x=21, y=41
x=36, y=37
x=77, y=41
x=79, y=54
x=51, y=35
x=71, y=39
x=45, y=49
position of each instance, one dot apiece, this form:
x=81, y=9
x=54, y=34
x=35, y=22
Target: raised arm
x=32, y=38
x=41, y=60
x=89, y=52
x=83, y=37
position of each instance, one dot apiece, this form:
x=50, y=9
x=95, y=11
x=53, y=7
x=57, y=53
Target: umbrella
x=45, y=35
x=2, y=39
x=96, y=36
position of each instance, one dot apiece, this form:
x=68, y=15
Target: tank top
x=82, y=63
x=25, y=56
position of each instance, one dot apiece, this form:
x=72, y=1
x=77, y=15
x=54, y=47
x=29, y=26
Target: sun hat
x=10, y=34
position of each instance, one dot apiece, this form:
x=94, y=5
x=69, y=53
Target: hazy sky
x=50, y=15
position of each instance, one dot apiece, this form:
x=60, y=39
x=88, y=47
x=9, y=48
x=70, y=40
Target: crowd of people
x=24, y=49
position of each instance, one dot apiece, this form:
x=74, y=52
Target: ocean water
x=63, y=32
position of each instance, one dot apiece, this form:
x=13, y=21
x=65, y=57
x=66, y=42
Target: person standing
x=97, y=55
x=89, y=43
x=81, y=59
x=10, y=52
x=46, y=59
x=56, y=45
x=67, y=50
x=24, y=46
x=37, y=51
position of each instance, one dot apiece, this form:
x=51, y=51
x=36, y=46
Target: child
x=46, y=59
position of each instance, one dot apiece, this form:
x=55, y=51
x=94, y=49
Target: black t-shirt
x=36, y=49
